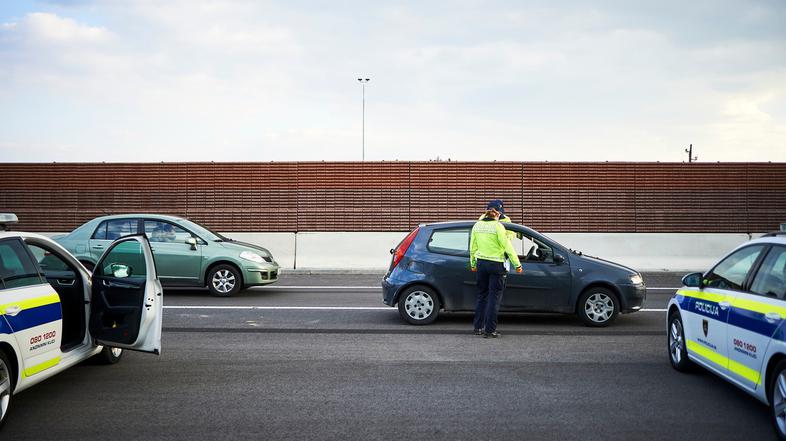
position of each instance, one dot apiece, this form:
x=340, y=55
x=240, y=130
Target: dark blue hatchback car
x=430, y=272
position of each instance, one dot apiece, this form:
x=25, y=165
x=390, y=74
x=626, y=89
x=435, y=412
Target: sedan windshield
x=204, y=232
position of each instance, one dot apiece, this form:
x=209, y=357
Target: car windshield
x=203, y=232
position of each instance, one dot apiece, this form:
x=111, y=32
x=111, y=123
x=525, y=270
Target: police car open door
x=126, y=305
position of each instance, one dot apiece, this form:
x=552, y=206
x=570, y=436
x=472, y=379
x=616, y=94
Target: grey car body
x=555, y=278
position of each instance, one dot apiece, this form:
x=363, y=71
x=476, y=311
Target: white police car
x=55, y=314
x=732, y=321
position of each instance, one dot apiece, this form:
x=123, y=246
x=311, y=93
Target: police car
x=731, y=320
x=55, y=314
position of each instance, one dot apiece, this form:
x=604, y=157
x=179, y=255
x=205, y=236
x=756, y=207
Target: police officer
x=489, y=244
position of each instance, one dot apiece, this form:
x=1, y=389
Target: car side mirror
x=120, y=271
x=559, y=258
x=693, y=280
x=193, y=242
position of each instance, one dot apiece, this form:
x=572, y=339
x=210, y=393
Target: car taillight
x=402, y=248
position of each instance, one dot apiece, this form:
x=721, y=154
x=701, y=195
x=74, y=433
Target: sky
x=220, y=80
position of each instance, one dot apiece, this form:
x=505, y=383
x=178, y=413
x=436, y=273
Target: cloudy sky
x=202, y=80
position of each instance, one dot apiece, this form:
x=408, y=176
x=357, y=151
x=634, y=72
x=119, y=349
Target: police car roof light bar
x=774, y=234
x=7, y=219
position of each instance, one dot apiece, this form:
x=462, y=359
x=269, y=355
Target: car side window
x=47, y=260
x=17, y=269
x=531, y=249
x=771, y=278
x=453, y=241
x=159, y=231
x=732, y=271
x=100, y=232
x=114, y=229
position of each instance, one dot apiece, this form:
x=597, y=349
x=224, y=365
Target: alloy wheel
x=223, y=281
x=5, y=388
x=779, y=402
x=676, y=342
x=599, y=307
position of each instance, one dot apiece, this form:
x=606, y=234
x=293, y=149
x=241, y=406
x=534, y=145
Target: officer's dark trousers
x=491, y=282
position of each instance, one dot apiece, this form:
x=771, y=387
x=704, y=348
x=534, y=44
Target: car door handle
x=772, y=317
x=98, y=246
x=724, y=304
x=12, y=310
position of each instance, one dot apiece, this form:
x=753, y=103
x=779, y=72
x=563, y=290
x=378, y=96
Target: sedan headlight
x=636, y=279
x=252, y=256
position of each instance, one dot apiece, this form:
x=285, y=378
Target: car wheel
x=7, y=377
x=109, y=355
x=776, y=392
x=418, y=305
x=223, y=280
x=598, y=307
x=678, y=351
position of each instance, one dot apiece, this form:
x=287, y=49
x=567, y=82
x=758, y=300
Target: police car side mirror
x=693, y=280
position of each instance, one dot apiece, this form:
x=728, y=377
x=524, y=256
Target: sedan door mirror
x=693, y=280
x=120, y=271
x=559, y=258
x=193, y=242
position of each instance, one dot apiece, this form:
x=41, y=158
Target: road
x=320, y=357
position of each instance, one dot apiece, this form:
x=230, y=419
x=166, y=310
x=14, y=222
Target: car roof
x=468, y=223
x=780, y=240
x=147, y=215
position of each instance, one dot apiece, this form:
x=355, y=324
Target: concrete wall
x=371, y=251
x=364, y=250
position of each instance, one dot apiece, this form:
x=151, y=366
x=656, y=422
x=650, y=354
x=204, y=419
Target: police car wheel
x=776, y=392
x=598, y=307
x=224, y=281
x=418, y=305
x=109, y=355
x=7, y=377
x=678, y=351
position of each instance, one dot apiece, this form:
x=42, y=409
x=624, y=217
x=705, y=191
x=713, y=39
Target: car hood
x=244, y=246
x=597, y=261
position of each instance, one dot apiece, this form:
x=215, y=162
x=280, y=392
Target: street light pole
x=363, y=82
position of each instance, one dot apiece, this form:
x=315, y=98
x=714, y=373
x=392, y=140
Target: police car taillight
x=7, y=219
x=402, y=248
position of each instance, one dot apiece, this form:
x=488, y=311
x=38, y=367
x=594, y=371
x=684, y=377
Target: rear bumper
x=633, y=297
x=390, y=289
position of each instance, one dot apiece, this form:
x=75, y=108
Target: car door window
x=158, y=231
x=531, y=249
x=732, y=271
x=16, y=267
x=770, y=280
x=125, y=260
x=115, y=229
x=452, y=241
x=48, y=261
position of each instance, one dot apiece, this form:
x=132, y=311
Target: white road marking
x=316, y=308
x=670, y=289
x=368, y=287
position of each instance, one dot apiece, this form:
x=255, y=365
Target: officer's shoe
x=494, y=334
x=478, y=332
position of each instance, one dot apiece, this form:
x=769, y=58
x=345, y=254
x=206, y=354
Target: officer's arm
x=473, y=247
x=503, y=238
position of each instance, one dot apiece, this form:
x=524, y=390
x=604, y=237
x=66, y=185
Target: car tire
x=224, y=280
x=598, y=307
x=7, y=379
x=776, y=394
x=109, y=355
x=676, y=344
x=418, y=305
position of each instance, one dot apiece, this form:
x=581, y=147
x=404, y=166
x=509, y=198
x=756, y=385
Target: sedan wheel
x=777, y=395
x=223, y=281
x=418, y=305
x=6, y=386
x=678, y=352
x=598, y=307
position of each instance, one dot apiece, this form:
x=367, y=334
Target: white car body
x=65, y=317
x=735, y=332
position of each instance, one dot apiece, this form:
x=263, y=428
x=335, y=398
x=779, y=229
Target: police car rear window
x=16, y=267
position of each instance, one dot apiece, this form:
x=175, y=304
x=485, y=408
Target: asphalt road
x=320, y=357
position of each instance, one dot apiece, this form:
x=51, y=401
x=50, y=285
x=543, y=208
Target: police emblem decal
x=706, y=326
